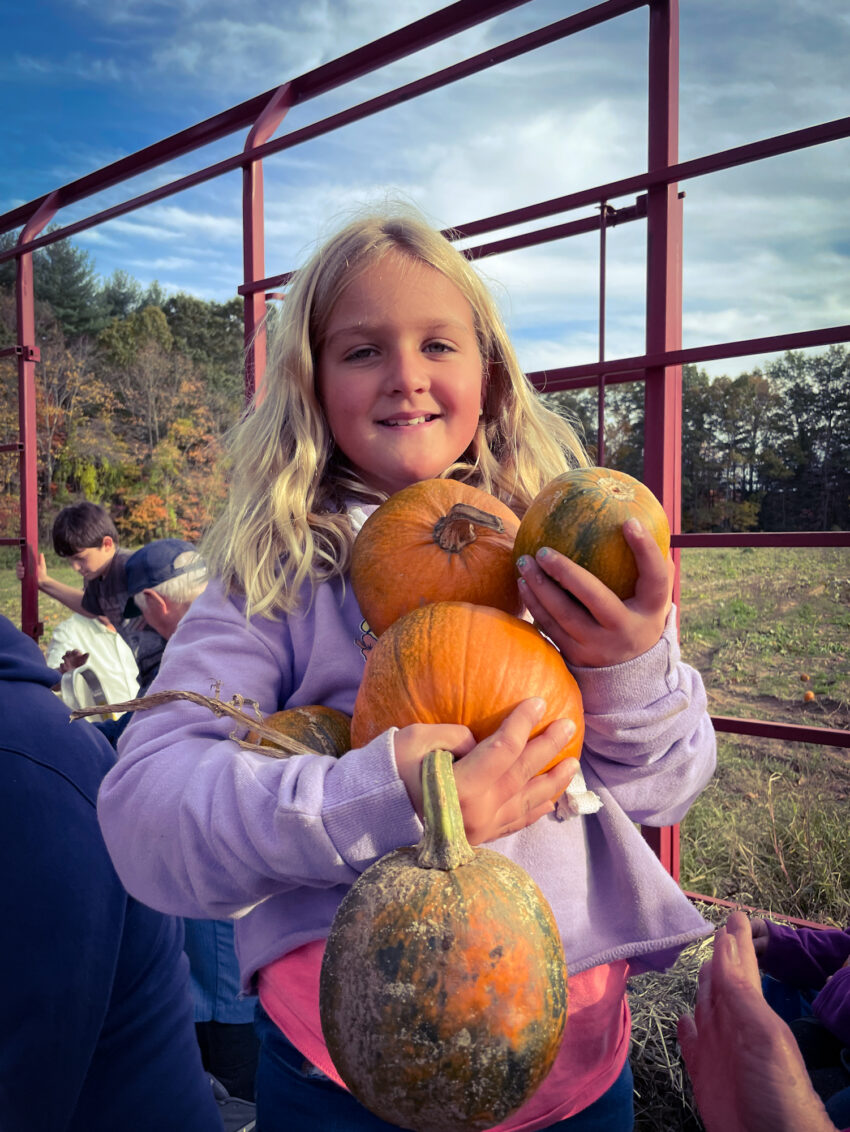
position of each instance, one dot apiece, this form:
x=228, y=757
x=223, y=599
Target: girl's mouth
x=396, y=422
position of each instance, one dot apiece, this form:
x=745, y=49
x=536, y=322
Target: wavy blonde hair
x=285, y=523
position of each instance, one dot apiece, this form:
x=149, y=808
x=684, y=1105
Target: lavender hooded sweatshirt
x=199, y=827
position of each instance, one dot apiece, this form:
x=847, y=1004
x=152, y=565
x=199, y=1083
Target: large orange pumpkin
x=455, y=662
x=443, y=988
x=581, y=514
x=437, y=540
x=313, y=727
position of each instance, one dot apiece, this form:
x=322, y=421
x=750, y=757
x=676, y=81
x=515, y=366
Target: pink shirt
x=594, y=1049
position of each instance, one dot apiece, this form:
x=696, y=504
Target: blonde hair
x=285, y=522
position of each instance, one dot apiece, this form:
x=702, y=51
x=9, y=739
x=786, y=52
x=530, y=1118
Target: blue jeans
x=292, y=1100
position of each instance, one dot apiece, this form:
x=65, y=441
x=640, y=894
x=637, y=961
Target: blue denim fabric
x=294, y=1097
x=215, y=972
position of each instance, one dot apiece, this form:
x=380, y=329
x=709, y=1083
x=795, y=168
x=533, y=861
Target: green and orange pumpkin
x=581, y=514
x=443, y=993
x=437, y=540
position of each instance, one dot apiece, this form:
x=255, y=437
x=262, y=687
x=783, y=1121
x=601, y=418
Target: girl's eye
x=439, y=347
x=360, y=353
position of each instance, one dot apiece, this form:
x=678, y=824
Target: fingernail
x=634, y=527
x=522, y=562
x=538, y=706
x=543, y=551
x=567, y=728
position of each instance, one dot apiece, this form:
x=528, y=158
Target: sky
x=766, y=247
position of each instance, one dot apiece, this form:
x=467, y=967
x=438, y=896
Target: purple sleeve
x=832, y=1005
x=804, y=957
x=648, y=737
x=199, y=827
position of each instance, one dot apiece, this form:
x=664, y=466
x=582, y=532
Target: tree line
x=768, y=450
x=136, y=389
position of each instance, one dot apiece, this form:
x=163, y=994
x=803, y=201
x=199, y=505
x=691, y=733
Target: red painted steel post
x=663, y=390
x=25, y=312
x=253, y=237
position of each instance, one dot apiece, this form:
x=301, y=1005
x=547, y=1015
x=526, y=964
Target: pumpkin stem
x=443, y=844
x=456, y=530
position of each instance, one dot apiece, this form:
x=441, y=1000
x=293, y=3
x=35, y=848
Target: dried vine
x=277, y=746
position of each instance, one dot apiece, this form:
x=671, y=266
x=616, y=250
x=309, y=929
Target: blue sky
x=767, y=248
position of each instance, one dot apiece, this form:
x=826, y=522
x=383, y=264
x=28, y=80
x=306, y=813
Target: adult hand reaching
x=743, y=1061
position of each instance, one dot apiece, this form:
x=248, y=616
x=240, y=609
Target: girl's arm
x=199, y=827
x=648, y=737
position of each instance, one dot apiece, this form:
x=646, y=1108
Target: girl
x=390, y=365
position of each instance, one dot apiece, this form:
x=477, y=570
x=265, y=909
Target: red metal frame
x=657, y=200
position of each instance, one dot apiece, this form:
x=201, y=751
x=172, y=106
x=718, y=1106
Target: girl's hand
x=498, y=784
x=588, y=623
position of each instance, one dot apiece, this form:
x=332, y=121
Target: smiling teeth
x=412, y=421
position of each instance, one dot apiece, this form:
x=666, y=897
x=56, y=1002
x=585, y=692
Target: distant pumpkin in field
x=808, y=697
x=804, y=676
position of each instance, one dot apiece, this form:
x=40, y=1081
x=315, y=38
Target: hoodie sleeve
x=648, y=736
x=804, y=957
x=198, y=826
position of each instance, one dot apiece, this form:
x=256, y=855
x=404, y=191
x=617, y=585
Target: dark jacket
x=96, y=1023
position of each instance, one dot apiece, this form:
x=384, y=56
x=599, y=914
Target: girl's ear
x=108, y=543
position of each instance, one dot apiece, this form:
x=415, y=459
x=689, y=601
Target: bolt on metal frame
x=657, y=201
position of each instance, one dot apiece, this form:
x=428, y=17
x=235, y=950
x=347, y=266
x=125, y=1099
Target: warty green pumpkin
x=581, y=515
x=443, y=992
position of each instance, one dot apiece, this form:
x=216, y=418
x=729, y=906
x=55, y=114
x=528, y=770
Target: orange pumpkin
x=323, y=730
x=581, y=514
x=443, y=993
x=437, y=540
x=454, y=662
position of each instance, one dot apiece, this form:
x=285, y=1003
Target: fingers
x=686, y=1031
x=577, y=599
x=510, y=748
x=655, y=570
x=741, y=952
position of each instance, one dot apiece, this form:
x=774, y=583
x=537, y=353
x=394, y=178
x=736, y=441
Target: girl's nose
x=407, y=372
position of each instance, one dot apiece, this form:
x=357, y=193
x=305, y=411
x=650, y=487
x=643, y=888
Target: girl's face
x=400, y=374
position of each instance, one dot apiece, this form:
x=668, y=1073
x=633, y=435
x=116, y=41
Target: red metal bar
x=616, y=216
x=697, y=167
x=663, y=384
x=387, y=49
x=624, y=369
x=734, y=906
x=764, y=538
x=792, y=732
x=600, y=393
x=28, y=437
x=309, y=86
x=253, y=236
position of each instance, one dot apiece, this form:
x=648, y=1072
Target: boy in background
x=85, y=535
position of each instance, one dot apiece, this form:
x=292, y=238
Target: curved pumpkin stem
x=444, y=844
x=456, y=530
